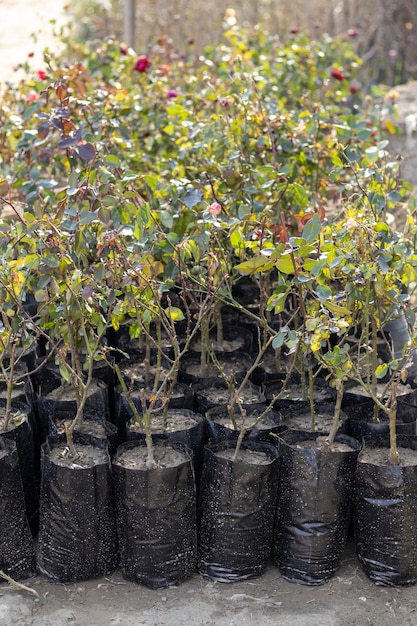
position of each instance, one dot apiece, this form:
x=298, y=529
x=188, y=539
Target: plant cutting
x=18, y=341
x=371, y=264
x=316, y=477
x=76, y=329
x=237, y=503
x=70, y=276
x=298, y=265
x=155, y=489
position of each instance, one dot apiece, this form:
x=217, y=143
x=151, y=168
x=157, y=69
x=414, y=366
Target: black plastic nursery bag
x=156, y=519
x=237, y=504
x=313, y=510
x=22, y=435
x=385, y=517
x=77, y=536
x=194, y=437
x=17, y=554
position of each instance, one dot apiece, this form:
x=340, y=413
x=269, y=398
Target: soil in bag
x=179, y=426
x=261, y=423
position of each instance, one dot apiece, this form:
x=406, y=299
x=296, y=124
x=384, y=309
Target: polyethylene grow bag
x=22, y=435
x=77, y=535
x=313, y=510
x=385, y=517
x=156, y=519
x=17, y=554
x=237, y=505
x=194, y=437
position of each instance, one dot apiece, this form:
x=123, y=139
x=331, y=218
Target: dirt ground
x=26, y=28
x=349, y=599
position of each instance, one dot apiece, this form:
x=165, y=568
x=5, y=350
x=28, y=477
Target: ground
x=26, y=29
x=349, y=599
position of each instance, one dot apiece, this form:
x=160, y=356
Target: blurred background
x=383, y=32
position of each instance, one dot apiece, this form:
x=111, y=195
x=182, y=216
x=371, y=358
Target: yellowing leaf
x=381, y=370
x=336, y=309
x=390, y=127
x=285, y=264
x=256, y=264
x=174, y=313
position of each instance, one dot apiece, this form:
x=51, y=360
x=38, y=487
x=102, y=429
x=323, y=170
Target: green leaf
x=337, y=309
x=312, y=229
x=278, y=341
x=237, y=240
x=87, y=217
x=128, y=176
x=65, y=372
x=41, y=295
x=151, y=181
x=277, y=302
x=372, y=153
x=166, y=219
x=111, y=160
x=302, y=278
x=324, y=292
x=73, y=179
x=169, y=129
x=364, y=134
x=299, y=193
x=193, y=197
x=381, y=227
x=51, y=260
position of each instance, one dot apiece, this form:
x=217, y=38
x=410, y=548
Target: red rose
x=353, y=89
x=42, y=75
x=142, y=63
x=337, y=74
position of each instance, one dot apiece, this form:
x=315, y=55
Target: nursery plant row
x=230, y=237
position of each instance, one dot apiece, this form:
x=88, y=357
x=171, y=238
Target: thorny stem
x=9, y=387
x=127, y=395
x=394, y=458
x=147, y=413
x=70, y=441
x=337, y=409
